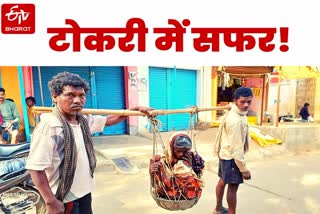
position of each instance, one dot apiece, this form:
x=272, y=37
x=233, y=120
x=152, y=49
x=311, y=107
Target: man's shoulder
x=50, y=119
x=10, y=103
x=233, y=119
x=232, y=115
x=7, y=103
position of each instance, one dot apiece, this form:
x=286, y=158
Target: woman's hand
x=187, y=156
x=154, y=167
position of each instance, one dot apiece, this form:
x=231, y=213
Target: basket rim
x=172, y=200
x=172, y=205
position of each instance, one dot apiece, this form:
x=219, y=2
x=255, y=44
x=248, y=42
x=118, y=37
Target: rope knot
x=154, y=121
x=195, y=110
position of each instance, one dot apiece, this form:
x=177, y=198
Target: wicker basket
x=173, y=205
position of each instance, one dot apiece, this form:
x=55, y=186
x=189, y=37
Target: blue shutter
x=158, y=96
x=47, y=72
x=172, y=89
x=184, y=93
x=110, y=93
x=107, y=83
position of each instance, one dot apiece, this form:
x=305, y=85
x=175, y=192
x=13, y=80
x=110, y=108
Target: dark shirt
x=304, y=112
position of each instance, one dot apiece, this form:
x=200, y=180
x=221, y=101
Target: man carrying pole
x=62, y=160
x=231, y=144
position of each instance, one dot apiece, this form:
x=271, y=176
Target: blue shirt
x=304, y=112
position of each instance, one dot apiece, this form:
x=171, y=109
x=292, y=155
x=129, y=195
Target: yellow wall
x=317, y=101
x=10, y=82
x=214, y=90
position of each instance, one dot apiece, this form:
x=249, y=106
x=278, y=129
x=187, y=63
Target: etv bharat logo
x=18, y=18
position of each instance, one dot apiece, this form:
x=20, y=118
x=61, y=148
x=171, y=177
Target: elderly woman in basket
x=176, y=175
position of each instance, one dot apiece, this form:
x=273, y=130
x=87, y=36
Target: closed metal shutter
x=107, y=89
x=184, y=93
x=172, y=89
x=158, y=87
x=47, y=72
x=110, y=93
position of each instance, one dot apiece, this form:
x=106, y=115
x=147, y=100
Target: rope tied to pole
x=195, y=111
x=156, y=125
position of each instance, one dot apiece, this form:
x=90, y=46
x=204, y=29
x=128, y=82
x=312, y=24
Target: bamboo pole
x=266, y=97
x=40, y=85
x=262, y=100
x=40, y=110
x=278, y=100
x=214, y=90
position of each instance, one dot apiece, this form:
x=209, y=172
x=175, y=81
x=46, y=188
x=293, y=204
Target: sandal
x=222, y=211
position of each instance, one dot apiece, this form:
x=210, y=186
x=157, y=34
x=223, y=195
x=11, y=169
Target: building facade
x=122, y=87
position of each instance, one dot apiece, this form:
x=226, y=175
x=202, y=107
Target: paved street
x=280, y=185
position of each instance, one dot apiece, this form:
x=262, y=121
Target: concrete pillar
x=132, y=96
x=143, y=91
x=317, y=101
x=204, y=92
x=214, y=90
x=293, y=97
x=28, y=80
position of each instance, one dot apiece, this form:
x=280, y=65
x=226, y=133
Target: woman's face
x=178, y=154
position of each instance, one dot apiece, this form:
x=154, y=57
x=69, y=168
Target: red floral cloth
x=180, y=182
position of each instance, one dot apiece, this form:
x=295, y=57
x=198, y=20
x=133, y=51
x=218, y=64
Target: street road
x=282, y=185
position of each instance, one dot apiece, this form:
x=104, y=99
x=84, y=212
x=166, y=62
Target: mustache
x=76, y=106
